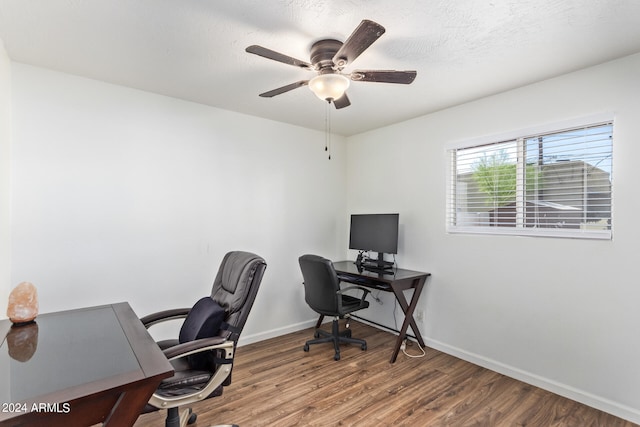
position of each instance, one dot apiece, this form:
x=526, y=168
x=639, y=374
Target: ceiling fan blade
x=362, y=37
x=342, y=102
x=276, y=56
x=384, y=76
x=284, y=89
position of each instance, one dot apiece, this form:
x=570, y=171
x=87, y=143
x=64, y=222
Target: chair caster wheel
x=363, y=347
x=336, y=356
x=306, y=347
x=192, y=418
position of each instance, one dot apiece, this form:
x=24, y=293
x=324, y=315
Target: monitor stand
x=378, y=270
x=375, y=265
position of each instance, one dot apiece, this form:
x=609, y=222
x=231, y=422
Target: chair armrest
x=163, y=316
x=222, y=371
x=365, y=291
x=198, y=346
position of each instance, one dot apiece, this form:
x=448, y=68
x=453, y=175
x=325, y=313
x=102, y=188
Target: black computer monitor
x=376, y=233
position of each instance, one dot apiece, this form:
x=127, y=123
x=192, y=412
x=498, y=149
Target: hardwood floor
x=275, y=383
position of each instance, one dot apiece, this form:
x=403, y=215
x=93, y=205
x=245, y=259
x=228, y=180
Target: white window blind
x=549, y=184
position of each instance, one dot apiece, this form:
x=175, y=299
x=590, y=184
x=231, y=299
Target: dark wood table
x=396, y=280
x=78, y=368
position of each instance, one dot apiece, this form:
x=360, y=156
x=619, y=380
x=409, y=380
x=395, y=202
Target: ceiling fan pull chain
x=327, y=127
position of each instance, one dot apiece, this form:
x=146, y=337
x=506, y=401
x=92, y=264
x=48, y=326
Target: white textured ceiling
x=194, y=49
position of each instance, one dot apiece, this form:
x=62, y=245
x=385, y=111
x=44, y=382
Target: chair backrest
x=235, y=288
x=321, y=284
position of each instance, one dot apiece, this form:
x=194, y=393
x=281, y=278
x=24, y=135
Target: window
x=546, y=184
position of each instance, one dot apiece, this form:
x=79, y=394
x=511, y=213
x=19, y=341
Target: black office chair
x=323, y=294
x=202, y=356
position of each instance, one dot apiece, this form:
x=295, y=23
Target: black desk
x=78, y=368
x=397, y=283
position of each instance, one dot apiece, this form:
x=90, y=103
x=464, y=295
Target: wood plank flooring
x=275, y=383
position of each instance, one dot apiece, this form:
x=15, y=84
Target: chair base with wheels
x=336, y=336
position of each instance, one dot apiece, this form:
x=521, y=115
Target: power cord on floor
x=403, y=347
x=377, y=297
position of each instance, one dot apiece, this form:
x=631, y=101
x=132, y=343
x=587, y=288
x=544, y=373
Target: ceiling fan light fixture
x=329, y=87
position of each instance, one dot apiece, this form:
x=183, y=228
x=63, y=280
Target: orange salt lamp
x=23, y=303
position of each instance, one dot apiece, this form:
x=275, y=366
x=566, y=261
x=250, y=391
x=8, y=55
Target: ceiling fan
x=328, y=59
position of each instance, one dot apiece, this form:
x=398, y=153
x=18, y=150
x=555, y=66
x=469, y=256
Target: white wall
x=5, y=178
x=558, y=313
x=123, y=195
x=5, y=196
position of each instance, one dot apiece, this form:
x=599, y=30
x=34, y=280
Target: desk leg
x=408, y=309
x=130, y=404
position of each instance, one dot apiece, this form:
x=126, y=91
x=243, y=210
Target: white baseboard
x=250, y=339
x=611, y=407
